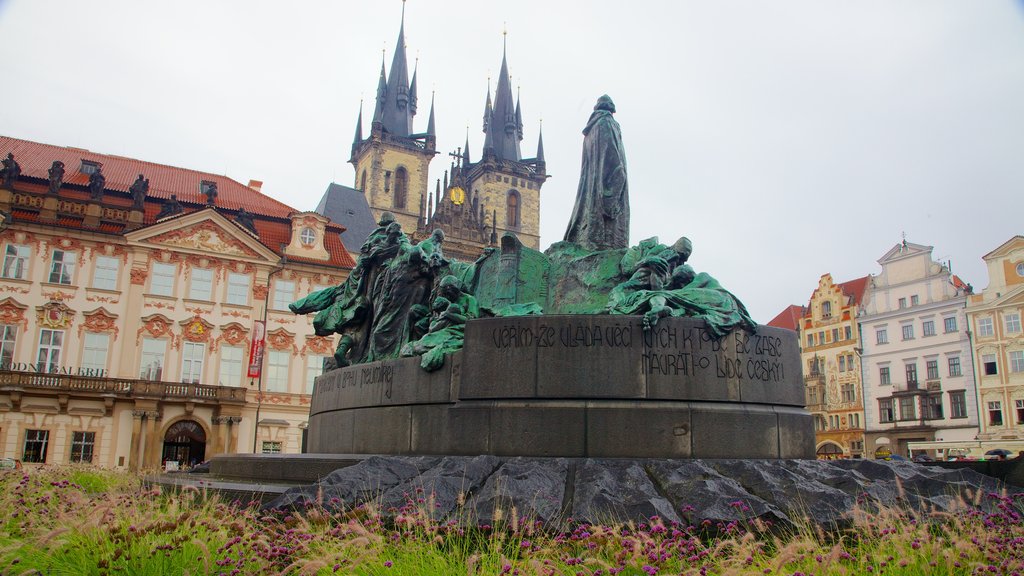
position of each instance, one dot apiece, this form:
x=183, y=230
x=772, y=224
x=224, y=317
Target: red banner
x=259, y=331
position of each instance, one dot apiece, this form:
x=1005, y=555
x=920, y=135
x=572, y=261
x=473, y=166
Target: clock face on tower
x=457, y=195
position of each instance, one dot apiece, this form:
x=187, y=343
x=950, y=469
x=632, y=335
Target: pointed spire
x=399, y=107
x=359, y=126
x=487, y=107
x=502, y=127
x=465, y=151
x=519, y=116
x=430, y=121
x=540, y=143
x=412, y=87
x=382, y=92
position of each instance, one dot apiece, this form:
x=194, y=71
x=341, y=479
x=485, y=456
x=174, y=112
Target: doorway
x=185, y=443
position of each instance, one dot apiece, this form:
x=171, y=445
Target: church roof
x=348, y=207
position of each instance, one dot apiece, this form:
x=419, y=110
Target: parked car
x=9, y=464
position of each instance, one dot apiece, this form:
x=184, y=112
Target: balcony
x=814, y=378
x=912, y=387
x=127, y=388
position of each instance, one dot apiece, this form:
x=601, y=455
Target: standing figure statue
x=97, y=182
x=138, y=190
x=11, y=170
x=56, y=173
x=600, y=218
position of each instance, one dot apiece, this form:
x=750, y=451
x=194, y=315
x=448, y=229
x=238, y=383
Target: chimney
x=255, y=185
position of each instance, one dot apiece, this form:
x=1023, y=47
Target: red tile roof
x=788, y=318
x=960, y=284
x=35, y=160
x=273, y=229
x=855, y=289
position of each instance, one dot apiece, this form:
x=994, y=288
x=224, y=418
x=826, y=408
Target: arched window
x=401, y=187
x=362, y=182
x=512, y=209
x=826, y=309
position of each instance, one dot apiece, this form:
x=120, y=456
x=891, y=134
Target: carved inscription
x=361, y=377
x=673, y=351
x=666, y=349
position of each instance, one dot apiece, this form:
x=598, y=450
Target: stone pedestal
x=576, y=386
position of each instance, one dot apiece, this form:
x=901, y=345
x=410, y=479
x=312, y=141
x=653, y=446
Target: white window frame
x=51, y=342
x=200, y=286
x=230, y=373
x=928, y=328
x=166, y=273
x=1016, y=361
x=1011, y=322
x=985, y=327
x=83, y=447
x=104, y=275
x=95, y=350
x=18, y=257
x=193, y=354
x=154, y=358
x=271, y=447
x=278, y=366
x=8, y=344
x=284, y=294
x=949, y=324
x=908, y=331
x=62, y=266
x=314, y=368
x=238, y=289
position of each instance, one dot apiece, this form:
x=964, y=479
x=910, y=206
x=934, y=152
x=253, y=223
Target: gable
x=204, y=232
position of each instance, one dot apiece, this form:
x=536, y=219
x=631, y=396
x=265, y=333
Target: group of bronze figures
x=410, y=300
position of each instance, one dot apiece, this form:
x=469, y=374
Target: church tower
x=391, y=163
x=503, y=181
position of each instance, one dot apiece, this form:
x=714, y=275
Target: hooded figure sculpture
x=600, y=218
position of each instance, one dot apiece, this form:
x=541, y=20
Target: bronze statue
x=10, y=171
x=451, y=308
x=97, y=181
x=244, y=218
x=138, y=190
x=211, y=193
x=56, y=173
x=600, y=218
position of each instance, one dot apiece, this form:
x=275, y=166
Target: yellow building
x=998, y=341
x=137, y=299
x=830, y=345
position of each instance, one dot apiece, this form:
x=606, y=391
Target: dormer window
x=89, y=167
x=205, y=186
x=307, y=236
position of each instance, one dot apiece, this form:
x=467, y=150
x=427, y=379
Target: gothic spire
x=502, y=129
x=540, y=143
x=519, y=117
x=430, y=121
x=487, y=107
x=412, y=87
x=382, y=91
x=359, y=126
x=399, y=105
x=465, y=151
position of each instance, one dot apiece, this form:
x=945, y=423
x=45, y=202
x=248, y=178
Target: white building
x=917, y=371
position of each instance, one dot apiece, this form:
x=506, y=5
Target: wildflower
x=387, y=564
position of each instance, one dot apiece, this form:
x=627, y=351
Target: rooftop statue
x=600, y=218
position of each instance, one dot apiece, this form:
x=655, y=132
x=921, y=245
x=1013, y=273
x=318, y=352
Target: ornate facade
x=830, y=346
x=918, y=376
x=994, y=318
x=133, y=310
x=479, y=201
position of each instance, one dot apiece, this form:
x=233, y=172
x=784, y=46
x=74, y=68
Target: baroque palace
x=143, y=311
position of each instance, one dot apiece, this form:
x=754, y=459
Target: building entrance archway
x=829, y=451
x=185, y=443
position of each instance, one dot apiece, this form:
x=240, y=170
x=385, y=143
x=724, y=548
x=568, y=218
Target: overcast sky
x=787, y=139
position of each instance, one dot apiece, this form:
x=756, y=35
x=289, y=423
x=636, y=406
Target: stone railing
x=121, y=387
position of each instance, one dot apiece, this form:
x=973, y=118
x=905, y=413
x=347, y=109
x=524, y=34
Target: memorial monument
x=590, y=349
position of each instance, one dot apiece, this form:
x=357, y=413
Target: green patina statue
x=600, y=218
x=403, y=299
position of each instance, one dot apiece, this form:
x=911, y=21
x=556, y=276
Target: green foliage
x=82, y=521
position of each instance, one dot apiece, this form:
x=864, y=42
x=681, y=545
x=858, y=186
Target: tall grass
x=77, y=520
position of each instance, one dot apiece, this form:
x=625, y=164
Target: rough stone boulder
x=561, y=491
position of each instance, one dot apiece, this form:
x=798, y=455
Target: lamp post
x=259, y=378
